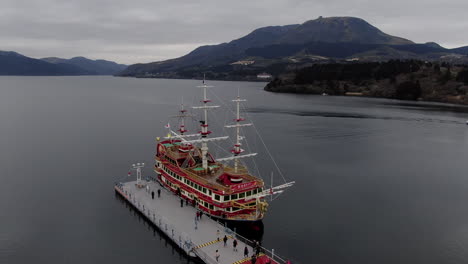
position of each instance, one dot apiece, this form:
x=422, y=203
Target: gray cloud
x=144, y=31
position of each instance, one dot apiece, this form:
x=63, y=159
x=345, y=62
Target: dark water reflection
x=378, y=181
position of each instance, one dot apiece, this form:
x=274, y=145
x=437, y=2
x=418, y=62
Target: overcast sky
x=132, y=31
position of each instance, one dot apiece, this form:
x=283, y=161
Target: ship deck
x=211, y=178
x=196, y=238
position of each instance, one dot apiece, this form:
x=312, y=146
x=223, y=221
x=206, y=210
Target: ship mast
x=183, y=114
x=237, y=146
x=204, y=124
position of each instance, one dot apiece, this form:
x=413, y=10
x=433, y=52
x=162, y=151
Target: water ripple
x=351, y=115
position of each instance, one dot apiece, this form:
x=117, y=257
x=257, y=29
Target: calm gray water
x=378, y=181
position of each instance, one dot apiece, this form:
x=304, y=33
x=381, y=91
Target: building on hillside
x=243, y=62
x=264, y=76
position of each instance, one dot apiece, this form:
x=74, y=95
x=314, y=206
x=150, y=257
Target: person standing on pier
x=234, y=244
x=257, y=249
x=225, y=239
x=152, y=195
x=159, y=193
x=217, y=235
x=217, y=256
x=246, y=252
x=181, y=203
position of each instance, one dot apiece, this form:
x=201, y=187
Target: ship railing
x=196, y=177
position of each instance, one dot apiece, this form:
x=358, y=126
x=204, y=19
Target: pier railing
x=270, y=253
x=205, y=257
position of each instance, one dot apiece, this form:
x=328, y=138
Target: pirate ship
x=185, y=166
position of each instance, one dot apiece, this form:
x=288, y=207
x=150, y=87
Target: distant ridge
x=276, y=48
x=12, y=63
x=98, y=67
x=461, y=50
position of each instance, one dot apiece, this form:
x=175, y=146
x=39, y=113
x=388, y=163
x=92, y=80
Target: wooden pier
x=196, y=237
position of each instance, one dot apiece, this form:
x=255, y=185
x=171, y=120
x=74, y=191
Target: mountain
x=433, y=45
x=12, y=63
x=278, y=48
x=213, y=54
x=460, y=50
x=340, y=29
x=98, y=67
x=319, y=37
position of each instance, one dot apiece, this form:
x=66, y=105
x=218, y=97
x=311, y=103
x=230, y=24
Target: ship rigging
x=185, y=166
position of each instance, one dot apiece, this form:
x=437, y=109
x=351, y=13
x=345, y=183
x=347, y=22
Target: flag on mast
x=168, y=125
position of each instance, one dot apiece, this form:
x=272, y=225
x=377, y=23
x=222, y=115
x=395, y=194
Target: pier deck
x=196, y=238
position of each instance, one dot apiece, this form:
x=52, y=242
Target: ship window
x=241, y=195
x=209, y=192
x=226, y=198
x=211, y=207
x=228, y=209
x=234, y=196
x=217, y=198
x=254, y=191
x=204, y=190
x=249, y=193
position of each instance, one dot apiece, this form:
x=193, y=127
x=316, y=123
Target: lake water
x=377, y=181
